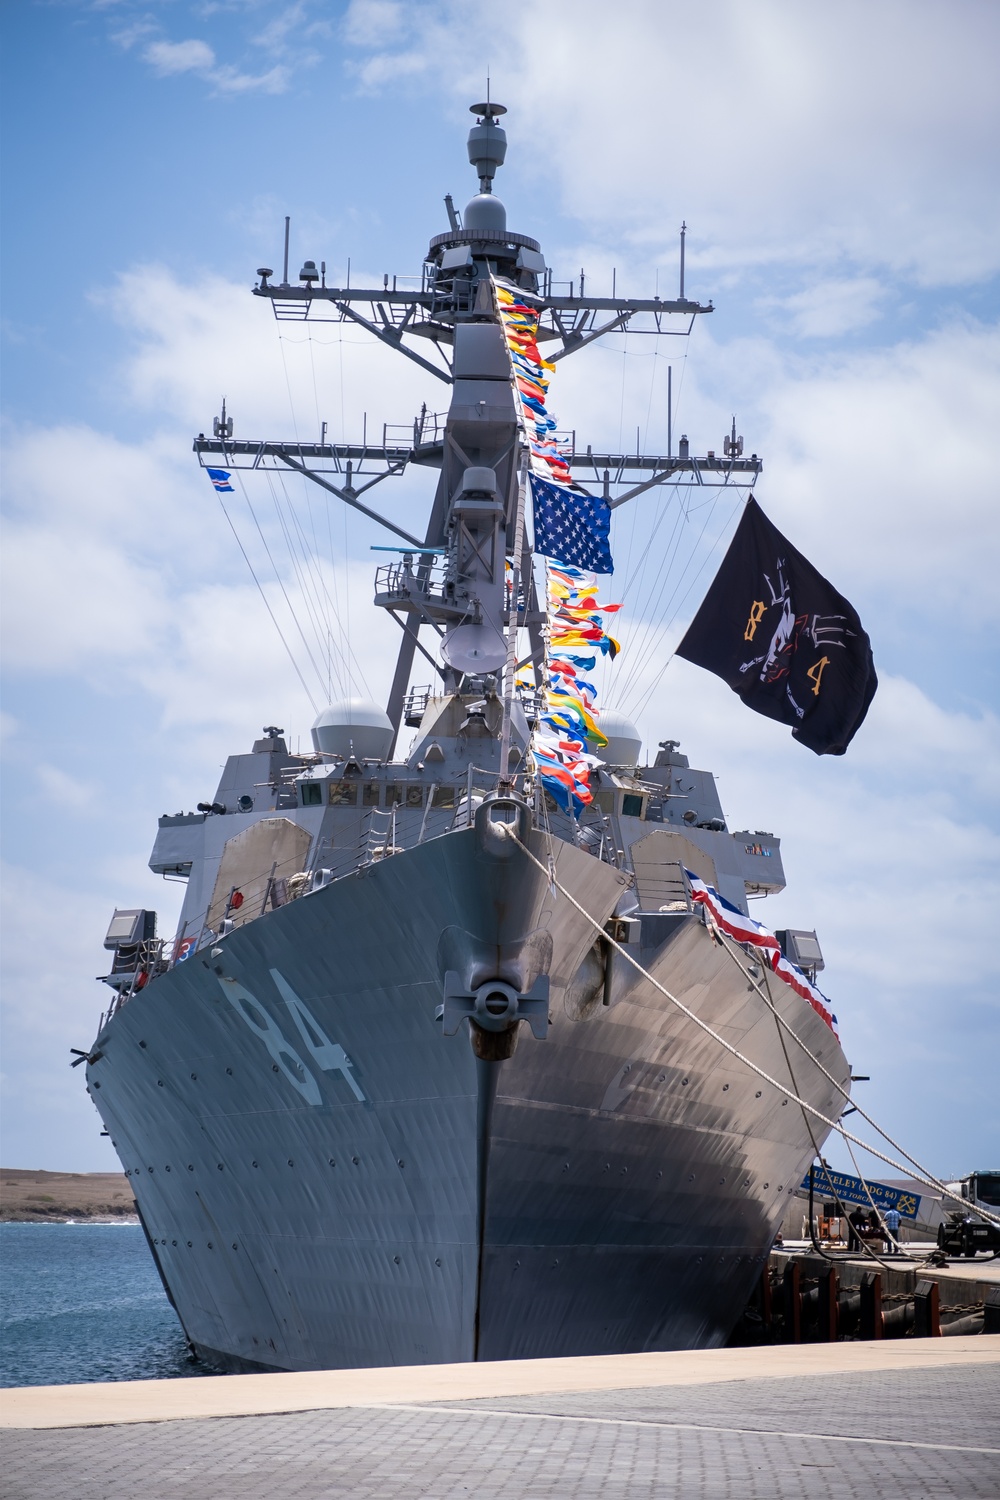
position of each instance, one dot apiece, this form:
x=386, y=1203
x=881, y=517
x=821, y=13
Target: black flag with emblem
x=782, y=637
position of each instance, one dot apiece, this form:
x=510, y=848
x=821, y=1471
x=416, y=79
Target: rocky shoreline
x=36, y=1197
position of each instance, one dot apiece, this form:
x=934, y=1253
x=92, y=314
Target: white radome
x=624, y=740
x=353, y=726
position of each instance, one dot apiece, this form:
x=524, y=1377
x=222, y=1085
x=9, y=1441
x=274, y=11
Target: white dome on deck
x=354, y=725
x=624, y=740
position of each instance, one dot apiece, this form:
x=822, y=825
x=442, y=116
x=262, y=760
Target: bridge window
x=312, y=794
x=343, y=794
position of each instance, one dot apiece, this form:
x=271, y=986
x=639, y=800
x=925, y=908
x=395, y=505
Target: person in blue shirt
x=891, y=1221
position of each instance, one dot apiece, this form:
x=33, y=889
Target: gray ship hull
x=328, y=1180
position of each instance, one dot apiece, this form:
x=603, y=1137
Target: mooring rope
x=926, y=1178
x=734, y=954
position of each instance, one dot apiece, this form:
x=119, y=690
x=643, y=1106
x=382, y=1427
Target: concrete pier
x=805, y=1296
x=912, y=1417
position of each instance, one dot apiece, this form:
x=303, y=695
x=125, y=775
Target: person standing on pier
x=891, y=1221
x=857, y=1222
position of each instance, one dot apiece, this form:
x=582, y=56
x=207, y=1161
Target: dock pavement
x=908, y=1418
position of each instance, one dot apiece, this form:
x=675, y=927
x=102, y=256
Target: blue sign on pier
x=830, y=1184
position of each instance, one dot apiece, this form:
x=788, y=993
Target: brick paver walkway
x=898, y=1434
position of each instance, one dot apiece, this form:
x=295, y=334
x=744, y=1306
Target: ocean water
x=82, y=1302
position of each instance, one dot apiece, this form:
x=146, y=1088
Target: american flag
x=571, y=527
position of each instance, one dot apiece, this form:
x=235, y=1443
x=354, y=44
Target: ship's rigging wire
x=506, y=831
x=312, y=367
x=344, y=629
x=635, y=579
x=610, y=685
x=347, y=596
x=307, y=573
x=267, y=606
x=649, y=634
x=641, y=641
x=311, y=584
x=280, y=581
x=641, y=704
x=313, y=581
x=621, y=404
x=320, y=615
x=783, y=1027
x=647, y=617
x=329, y=618
x=654, y=607
x=664, y=506
x=297, y=569
x=805, y=1119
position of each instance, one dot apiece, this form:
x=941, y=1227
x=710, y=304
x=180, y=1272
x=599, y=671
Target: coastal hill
x=28, y=1197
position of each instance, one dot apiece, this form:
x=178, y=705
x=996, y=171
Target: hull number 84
x=328, y=1056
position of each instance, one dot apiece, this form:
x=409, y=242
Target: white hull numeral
x=250, y=1010
x=330, y=1056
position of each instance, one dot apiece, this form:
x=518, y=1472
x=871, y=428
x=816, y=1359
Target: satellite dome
x=484, y=211
x=624, y=740
x=353, y=726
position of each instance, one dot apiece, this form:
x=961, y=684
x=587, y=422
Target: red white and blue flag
x=745, y=930
x=220, y=480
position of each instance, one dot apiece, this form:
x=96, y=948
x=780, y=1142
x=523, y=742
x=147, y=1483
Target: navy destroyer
x=441, y=1065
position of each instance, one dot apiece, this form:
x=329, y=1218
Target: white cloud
x=908, y=730
x=371, y=23
x=882, y=466
x=274, y=36
x=157, y=596
x=781, y=132
x=127, y=36
x=195, y=342
x=168, y=58
x=829, y=309
x=229, y=80
x=120, y=564
x=390, y=68
x=69, y=792
x=405, y=41
x=878, y=464
x=52, y=950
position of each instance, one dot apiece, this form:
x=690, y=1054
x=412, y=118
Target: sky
x=836, y=168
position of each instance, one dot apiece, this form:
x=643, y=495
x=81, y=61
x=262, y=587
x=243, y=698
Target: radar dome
x=484, y=211
x=353, y=726
x=624, y=740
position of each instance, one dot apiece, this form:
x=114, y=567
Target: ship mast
x=454, y=579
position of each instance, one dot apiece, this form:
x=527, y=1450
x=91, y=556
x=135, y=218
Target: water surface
x=82, y=1302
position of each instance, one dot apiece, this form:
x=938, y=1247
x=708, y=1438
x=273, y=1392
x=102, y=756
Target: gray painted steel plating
x=615, y=1187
